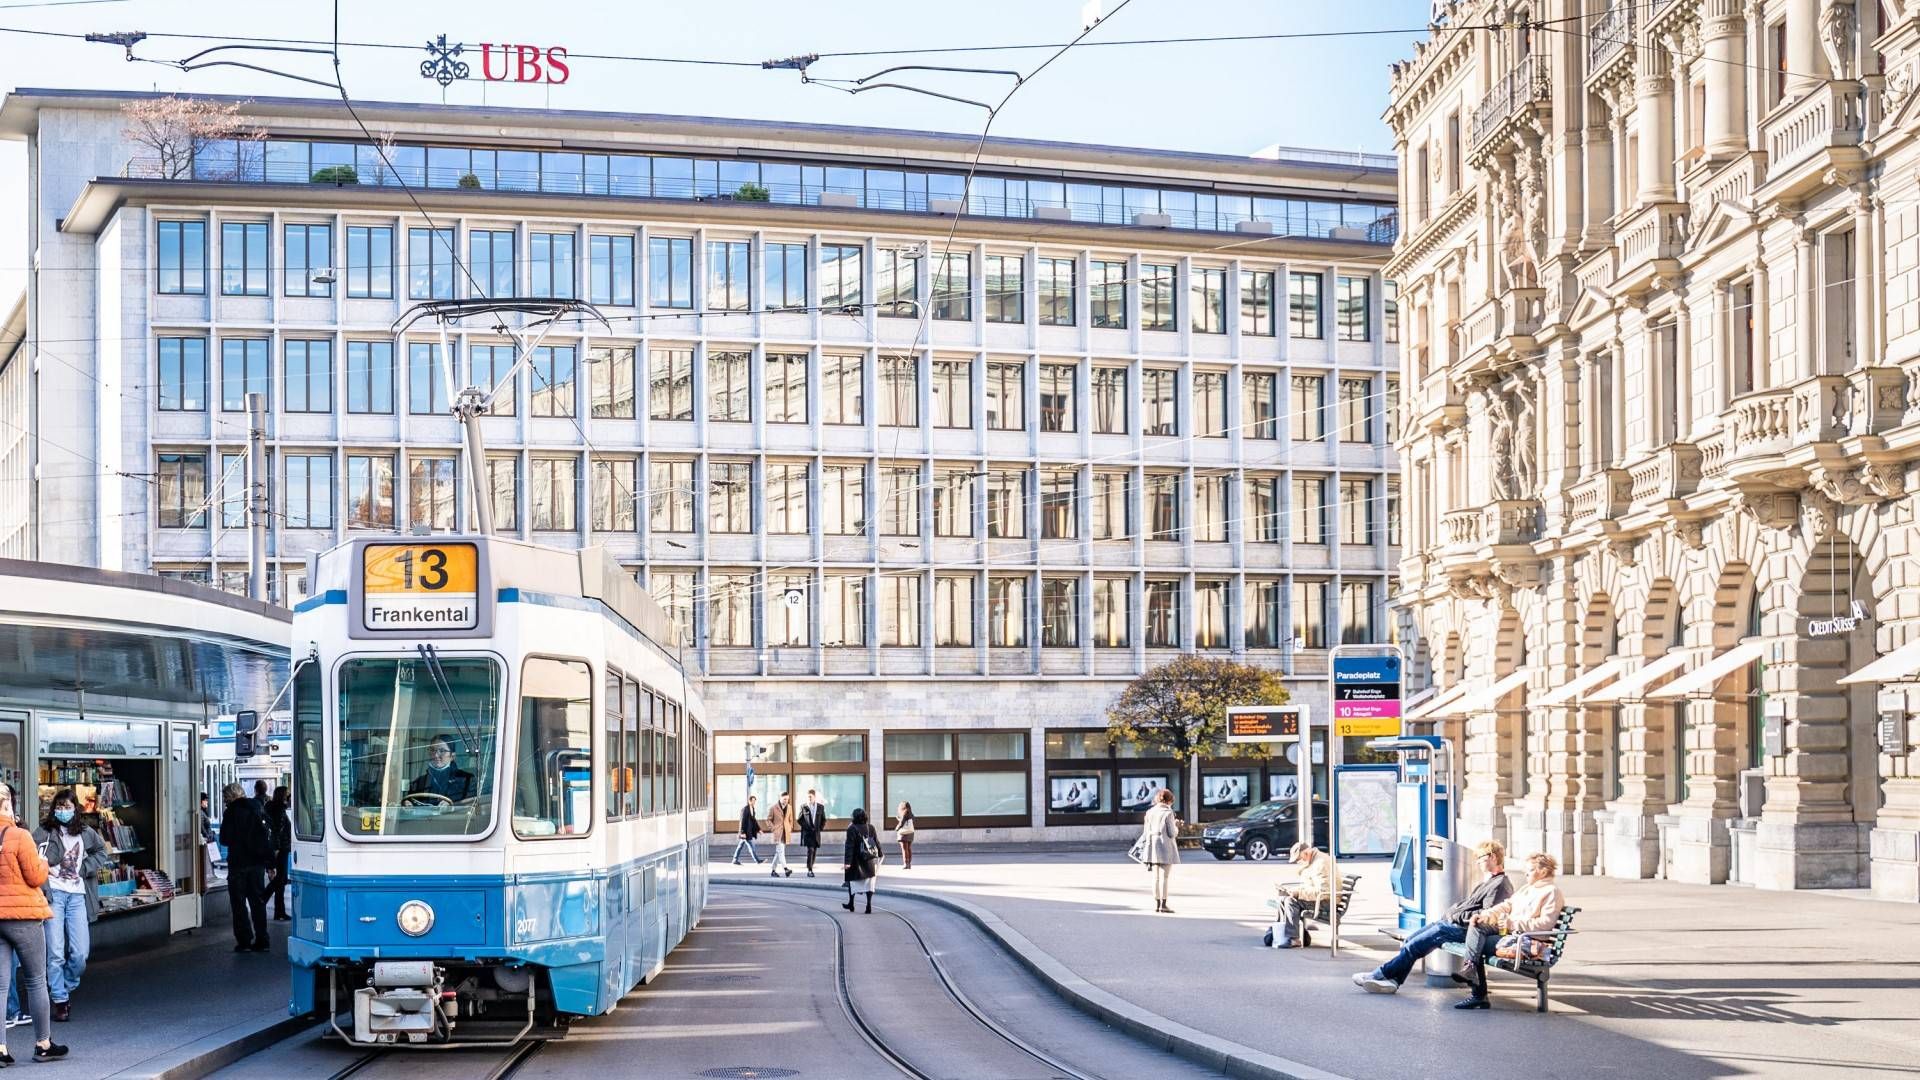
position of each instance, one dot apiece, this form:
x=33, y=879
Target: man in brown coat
x=780, y=828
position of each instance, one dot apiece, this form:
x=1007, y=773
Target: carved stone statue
x=1500, y=419
x=1837, y=26
x=1526, y=439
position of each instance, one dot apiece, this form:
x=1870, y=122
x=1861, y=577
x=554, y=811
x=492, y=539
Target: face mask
x=443, y=767
x=63, y=816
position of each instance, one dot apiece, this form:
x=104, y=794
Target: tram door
x=13, y=759
x=179, y=807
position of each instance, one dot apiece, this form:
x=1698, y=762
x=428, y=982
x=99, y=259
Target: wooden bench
x=1318, y=912
x=1538, y=968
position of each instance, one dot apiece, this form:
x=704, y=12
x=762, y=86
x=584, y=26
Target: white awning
x=1419, y=699
x=1901, y=663
x=1482, y=700
x=1587, y=680
x=1439, y=702
x=1701, y=680
x=1629, y=686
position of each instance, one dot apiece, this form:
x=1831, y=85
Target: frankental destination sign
x=1366, y=695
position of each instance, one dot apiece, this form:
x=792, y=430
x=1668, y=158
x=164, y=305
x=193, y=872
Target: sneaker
x=1366, y=980
x=18, y=1019
x=49, y=1052
x=1473, y=1003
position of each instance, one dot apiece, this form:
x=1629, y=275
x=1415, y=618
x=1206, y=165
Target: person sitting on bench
x=1313, y=886
x=1535, y=907
x=1490, y=858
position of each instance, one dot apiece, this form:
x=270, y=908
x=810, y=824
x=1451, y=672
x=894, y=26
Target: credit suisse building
x=923, y=471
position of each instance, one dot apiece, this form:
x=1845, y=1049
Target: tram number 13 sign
x=420, y=586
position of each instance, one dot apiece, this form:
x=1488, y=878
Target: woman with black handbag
x=863, y=858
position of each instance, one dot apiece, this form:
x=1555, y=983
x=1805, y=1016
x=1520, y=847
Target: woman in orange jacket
x=23, y=915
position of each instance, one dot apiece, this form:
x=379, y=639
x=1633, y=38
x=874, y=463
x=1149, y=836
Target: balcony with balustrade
x=1650, y=240
x=1610, y=37
x=1526, y=88
x=1806, y=137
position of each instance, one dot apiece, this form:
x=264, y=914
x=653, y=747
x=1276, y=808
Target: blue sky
x=1226, y=98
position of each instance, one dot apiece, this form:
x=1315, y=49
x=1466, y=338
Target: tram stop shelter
x=109, y=686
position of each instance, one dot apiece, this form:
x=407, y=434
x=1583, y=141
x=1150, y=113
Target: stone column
x=1702, y=846
x=1806, y=62
x=1723, y=26
x=1598, y=186
x=1807, y=837
x=1653, y=113
x=1558, y=806
x=1895, y=842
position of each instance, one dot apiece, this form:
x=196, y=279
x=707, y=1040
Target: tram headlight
x=415, y=918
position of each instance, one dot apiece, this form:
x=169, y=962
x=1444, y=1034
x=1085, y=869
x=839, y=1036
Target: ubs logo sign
x=515, y=63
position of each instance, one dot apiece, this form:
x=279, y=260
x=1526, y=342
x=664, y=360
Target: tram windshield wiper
x=430, y=656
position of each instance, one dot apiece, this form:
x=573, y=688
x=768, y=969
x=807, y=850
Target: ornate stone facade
x=1661, y=265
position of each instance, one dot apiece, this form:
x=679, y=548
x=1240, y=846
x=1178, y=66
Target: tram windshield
x=417, y=740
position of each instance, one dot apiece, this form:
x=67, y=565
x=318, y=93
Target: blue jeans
x=67, y=943
x=1418, y=944
x=748, y=846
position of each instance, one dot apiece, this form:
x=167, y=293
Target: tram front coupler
x=404, y=1001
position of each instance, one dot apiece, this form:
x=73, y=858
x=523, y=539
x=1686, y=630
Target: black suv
x=1264, y=831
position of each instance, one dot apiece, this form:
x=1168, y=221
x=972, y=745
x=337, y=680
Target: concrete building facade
x=1663, y=396
x=924, y=470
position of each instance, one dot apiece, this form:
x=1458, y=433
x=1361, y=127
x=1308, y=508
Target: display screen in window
x=1077, y=794
x=1137, y=790
x=1219, y=792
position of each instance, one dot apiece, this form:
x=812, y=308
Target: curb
x=218, y=1050
x=1211, y=1051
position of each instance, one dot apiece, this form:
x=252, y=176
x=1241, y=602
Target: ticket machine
x=1429, y=866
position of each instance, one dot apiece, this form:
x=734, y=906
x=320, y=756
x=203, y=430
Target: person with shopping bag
x=1159, y=847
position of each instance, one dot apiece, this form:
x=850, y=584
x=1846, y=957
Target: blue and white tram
x=500, y=789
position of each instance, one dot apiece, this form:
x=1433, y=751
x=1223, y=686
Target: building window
x=492, y=364
x=952, y=394
x=1059, y=504
x=900, y=610
x=1261, y=610
x=1356, y=410
x=843, y=610
x=786, y=276
x=610, y=382
x=550, y=264
x=1309, y=614
x=1351, y=296
x=243, y=258
x=970, y=780
x=431, y=489
x=1112, y=507
x=551, y=493
x=1109, y=401
x=490, y=260
x=1208, y=286
x=1390, y=410
x=1107, y=294
x=369, y=262
x=1055, y=281
x=670, y=495
x=786, y=388
x=610, y=270
x=308, y=376
x=1163, y=614
x=309, y=491
x=243, y=371
x=730, y=508
x=1390, y=313
x=670, y=384
x=1209, y=614
x=899, y=391
x=1060, y=613
x=900, y=500
x=1163, y=506
x=730, y=609
x=1356, y=613
x=553, y=374
x=1263, y=509
x=843, y=500
x=1158, y=415
x=1211, y=498
x=729, y=394
x=786, y=495
x=182, y=262
x=370, y=376
x=670, y=272
x=1259, y=418
x=1007, y=612
x=896, y=283
x=953, y=611
x=952, y=297
x=674, y=594
x=952, y=502
x=1210, y=404
x=612, y=497
x=842, y=390
x=1356, y=511
x=729, y=276
x=1303, y=305
x=183, y=374
x=1256, y=303
x=503, y=491
x=430, y=264
x=1309, y=408
x=180, y=491
x=309, y=251
x=1309, y=509
x=1006, y=397
x=1112, y=621
x=1777, y=47
x=1007, y=504
x=370, y=492
x=1393, y=513
x=1057, y=407
x=840, y=277
x=1005, y=288
x=426, y=380
x=1158, y=311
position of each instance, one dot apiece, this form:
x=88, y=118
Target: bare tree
x=1180, y=707
x=170, y=129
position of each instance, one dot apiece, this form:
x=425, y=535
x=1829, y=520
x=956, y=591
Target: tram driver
x=443, y=777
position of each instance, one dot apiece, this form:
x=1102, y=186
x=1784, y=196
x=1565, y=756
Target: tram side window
x=613, y=734
x=309, y=811
x=417, y=744
x=645, y=777
x=553, y=777
x=630, y=758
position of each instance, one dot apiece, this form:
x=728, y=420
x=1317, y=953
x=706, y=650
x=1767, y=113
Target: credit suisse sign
x=499, y=62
